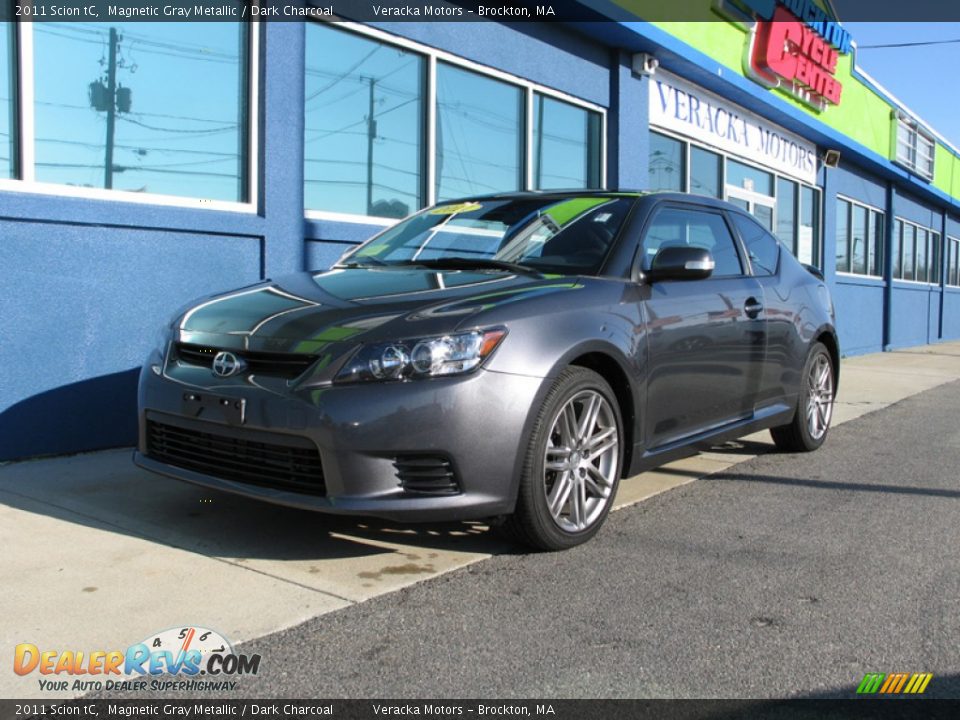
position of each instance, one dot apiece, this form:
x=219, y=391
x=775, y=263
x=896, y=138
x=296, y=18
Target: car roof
x=663, y=195
x=529, y=194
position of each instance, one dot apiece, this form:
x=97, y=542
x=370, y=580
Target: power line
x=208, y=131
x=921, y=43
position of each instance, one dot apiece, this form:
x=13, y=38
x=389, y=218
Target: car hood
x=308, y=312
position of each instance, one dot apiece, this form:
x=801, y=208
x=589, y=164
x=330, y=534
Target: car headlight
x=454, y=354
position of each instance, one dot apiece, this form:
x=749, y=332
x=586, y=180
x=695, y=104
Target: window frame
x=432, y=56
x=881, y=238
x=535, y=118
x=913, y=159
x=26, y=182
x=933, y=237
x=952, y=257
x=16, y=154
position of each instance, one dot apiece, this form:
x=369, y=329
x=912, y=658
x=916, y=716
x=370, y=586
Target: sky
x=924, y=78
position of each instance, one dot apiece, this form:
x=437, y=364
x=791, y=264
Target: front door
x=706, y=338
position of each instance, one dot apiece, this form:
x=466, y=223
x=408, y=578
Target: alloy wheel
x=819, y=396
x=581, y=461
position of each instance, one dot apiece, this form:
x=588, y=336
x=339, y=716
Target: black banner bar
x=908, y=709
x=440, y=11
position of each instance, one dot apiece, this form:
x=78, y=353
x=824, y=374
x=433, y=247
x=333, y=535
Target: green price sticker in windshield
x=456, y=209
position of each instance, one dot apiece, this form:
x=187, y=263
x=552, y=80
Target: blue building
x=146, y=164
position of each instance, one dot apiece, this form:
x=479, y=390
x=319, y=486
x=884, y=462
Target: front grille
x=427, y=474
x=285, y=365
x=290, y=463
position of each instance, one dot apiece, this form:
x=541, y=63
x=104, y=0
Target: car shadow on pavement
x=740, y=447
x=106, y=491
x=819, y=484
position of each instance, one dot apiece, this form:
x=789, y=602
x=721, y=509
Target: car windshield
x=568, y=235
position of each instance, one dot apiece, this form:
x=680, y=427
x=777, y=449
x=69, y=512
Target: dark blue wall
x=915, y=316
x=910, y=311
x=81, y=306
x=89, y=283
x=859, y=300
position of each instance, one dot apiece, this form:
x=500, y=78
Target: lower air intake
x=290, y=463
x=427, y=475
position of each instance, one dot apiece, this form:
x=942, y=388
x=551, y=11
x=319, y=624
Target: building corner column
x=282, y=67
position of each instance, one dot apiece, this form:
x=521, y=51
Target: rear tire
x=572, y=466
x=811, y=421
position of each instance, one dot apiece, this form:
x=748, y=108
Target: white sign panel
x=686, y=109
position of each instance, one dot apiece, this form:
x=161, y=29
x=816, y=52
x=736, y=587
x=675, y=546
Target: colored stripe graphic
x=894, y=683
x=918, y=683
x=870, y=683
x=913, y=684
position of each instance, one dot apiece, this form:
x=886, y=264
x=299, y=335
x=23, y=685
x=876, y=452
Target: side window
x=673, y=227
x=762, y=248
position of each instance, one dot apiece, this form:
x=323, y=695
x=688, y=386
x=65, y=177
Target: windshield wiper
x=456, y=262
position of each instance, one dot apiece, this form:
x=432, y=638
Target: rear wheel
x=572, y=467
x=811, y=422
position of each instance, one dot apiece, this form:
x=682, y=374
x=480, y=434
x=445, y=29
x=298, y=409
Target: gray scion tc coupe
x=507, y=357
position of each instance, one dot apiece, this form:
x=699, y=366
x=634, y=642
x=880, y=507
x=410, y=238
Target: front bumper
x=478, y=421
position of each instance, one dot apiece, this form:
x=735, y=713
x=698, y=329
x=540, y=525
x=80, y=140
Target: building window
x=915, y=147
x=859, y=239
x=786, y=225
x=842, y=254
x=798, y=220
x=479, y=134
x=916, y=252
x=953, y=262
x=909, y=247
x=749, y=178
x=143, y=107
x=808, y=231
x=363, y=125
x=666, y=164
x=375, y=146
x=933, y=257
x=875, y=249
x=706, y=171
x=8, y=108
x=566, y=145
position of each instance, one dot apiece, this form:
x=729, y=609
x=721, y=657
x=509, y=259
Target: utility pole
x=371, y=136
x=111, y=109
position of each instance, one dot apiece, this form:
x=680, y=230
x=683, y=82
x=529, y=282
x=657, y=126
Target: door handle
x=753, y=308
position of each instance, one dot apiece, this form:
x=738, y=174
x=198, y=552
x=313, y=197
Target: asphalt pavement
x=786, y=575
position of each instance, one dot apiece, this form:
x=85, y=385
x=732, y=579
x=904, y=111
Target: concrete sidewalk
x=98, y=555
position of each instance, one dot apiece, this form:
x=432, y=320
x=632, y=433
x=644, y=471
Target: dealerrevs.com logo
x=173, y=659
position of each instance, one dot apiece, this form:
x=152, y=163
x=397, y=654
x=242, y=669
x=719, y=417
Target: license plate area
x=207, y=406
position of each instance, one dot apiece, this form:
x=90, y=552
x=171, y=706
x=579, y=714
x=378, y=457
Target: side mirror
x=681, y=263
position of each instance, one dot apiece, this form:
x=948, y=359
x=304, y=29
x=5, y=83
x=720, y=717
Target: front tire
x=811, y=421
x=572, y=467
